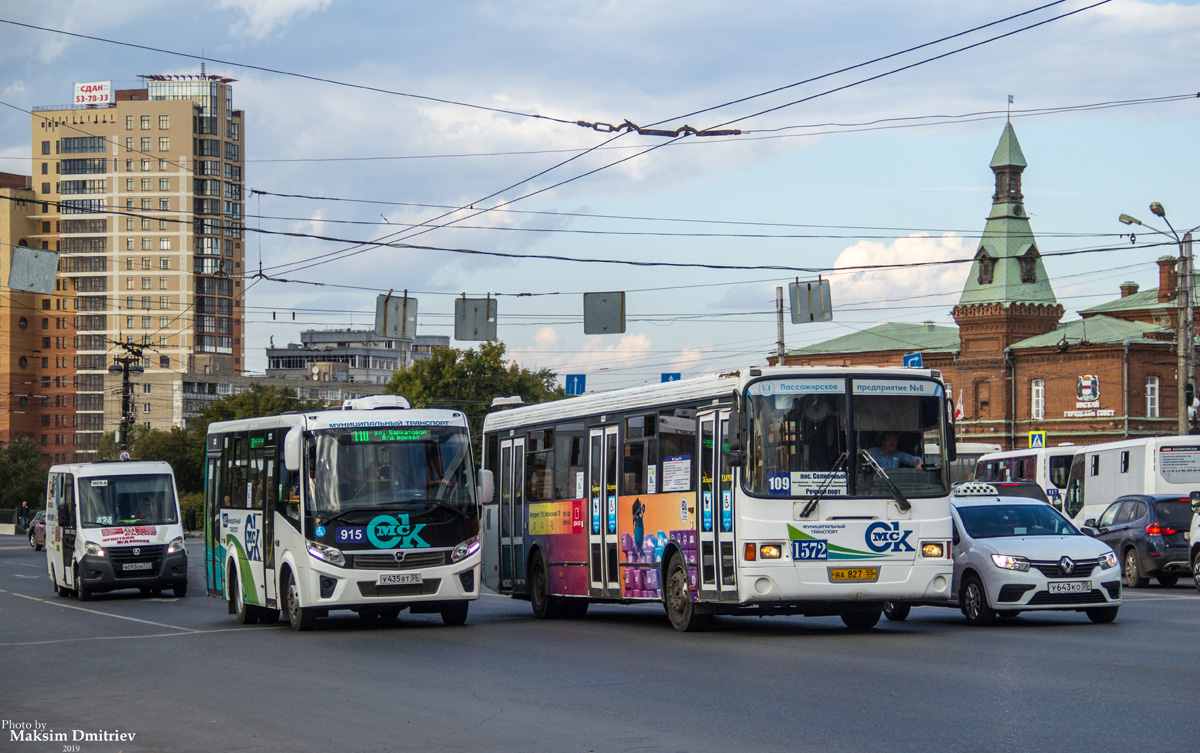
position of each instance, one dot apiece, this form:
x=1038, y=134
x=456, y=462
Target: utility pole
x=129, y=363
x=1187, y=337
x=779, y=315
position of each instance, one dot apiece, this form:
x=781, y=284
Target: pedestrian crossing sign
x=1037, y=440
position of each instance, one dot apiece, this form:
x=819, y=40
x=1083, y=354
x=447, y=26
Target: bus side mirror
x=735, y=444
x=951, y=433
x=486, y=488
x=291, y=448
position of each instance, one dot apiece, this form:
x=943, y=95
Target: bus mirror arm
x=733, y=438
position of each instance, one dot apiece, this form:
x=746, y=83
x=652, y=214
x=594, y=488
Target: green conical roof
x=1008, y=266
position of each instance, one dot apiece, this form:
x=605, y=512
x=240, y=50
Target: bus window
x=677, y=445
x=568, y=460
x=539, y=465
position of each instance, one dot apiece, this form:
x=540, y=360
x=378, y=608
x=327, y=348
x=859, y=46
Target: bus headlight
x=770, y=551
x=1011, y=563
x=933, y=549
x=465, y=549
x=175, y=546
x=93, y=550
x=326, y=553
x=1108, y=560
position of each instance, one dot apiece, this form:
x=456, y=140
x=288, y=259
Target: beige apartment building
x=141, y=192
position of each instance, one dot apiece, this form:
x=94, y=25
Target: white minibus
x=1048, y=466
x=1154, y=465
x=114, y=525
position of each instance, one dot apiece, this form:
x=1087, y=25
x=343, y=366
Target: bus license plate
x=1070, y=587
x=137, y=565
x=853, y=573
x=400, y=579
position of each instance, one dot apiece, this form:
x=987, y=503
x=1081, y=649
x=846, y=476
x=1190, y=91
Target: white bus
x=1154, y=465
x=752, y=492
x=114, y=525
x=1048, y=466
x=967, y=455
x=371, y=508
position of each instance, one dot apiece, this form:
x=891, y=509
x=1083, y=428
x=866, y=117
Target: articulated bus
x=371, y=508
x=758, y=492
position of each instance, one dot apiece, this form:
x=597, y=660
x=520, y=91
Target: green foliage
x=192, y=501
x=467, y=380
x=108, y=448
x=23, y=475
x=177, y=446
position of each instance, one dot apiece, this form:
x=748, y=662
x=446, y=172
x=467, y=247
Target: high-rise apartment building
x=142, y=195
x=37, y=396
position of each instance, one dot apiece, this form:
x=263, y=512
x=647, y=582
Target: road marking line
x=105, y=614
x=139, y=637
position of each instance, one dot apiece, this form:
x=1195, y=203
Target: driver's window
x=1109, y=515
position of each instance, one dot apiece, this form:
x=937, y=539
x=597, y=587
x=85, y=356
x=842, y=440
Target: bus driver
x=889, y=457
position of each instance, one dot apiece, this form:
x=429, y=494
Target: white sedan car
x=1015, y=554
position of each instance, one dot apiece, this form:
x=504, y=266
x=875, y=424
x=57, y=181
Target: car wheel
x=180, y=590
x=455, y=612
x=1167, y=580
x=301, y=618
x=862, y=620
x=1196, y=569
x=974, y=603
x=1101, y=615
x=545, y=605
x=82, y=592
x=1130, y=570
x=677, y=598
x=896, y=610
x=32, y=543
x=1007, y=614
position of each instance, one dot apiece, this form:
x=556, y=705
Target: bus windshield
x=127, y=500
x=804, y=443
x=373, y=468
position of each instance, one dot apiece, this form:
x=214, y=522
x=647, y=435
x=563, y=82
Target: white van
x=112, y=525
x=1050, y=467
x=1155, y=465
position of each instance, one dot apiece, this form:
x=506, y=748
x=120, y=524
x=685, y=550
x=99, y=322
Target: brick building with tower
x=1014, y=367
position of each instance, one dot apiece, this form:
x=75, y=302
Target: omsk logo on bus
x=392, y=531
x=884, y=537
x=253, y=538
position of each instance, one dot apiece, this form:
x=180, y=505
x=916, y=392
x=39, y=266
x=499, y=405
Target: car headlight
x=326, y=553
x=465, y=549
x=93, y=550
x=1108, y=560
x=1008, y=562
x=176, y=545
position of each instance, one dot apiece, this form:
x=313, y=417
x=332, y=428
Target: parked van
x=1050, y=467
x=966, y=458
x=1155, y=465
x=113, y=525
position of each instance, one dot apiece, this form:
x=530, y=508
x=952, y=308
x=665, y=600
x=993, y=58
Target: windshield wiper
x=812, y=503
x=445, y=506
x=901, y=500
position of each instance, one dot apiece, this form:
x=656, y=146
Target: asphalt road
x=181, y=675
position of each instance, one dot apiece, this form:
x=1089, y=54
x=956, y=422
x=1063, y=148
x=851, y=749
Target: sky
x=867, y=130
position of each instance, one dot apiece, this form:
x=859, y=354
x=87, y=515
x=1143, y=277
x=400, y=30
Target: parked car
x=1014, y=554
x=1149, y=533
x=37, y=530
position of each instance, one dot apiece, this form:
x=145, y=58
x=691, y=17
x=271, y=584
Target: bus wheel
x=576, y=608
x=301, y=618
x=678, y=599
x=81, y=591
x=60, y=591
x=545, y=605
x=455, y=612
x=247, y=614
x=180, y=590
x=861, y=620
x=268, y=616
x=896, y=610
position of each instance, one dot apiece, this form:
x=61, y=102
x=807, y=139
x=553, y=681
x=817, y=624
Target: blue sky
x=843, y=194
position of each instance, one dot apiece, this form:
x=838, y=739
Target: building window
x=163, y=323
x=129, y=184
x=162, y=165
x=164, y=244
x=145, y=122
x=164, y=122
x=145, y=184
x=145, y=283
x=1152, y=397
x=129, y=322
x=987, y=267
x=146, y=389
x=146, y=204
x=145, y=247
x=164, y=262
x=162, y=283
x=129, y=283
x=165, y=206
x=164, y=184
x=128, y=122
x=1038, y=399
x=1028, y=262
x=128, y=148
x=164, y=144
x=145, y=325
x=145, y=147
x=164, y=362
x=145, y=409
x=145, y=165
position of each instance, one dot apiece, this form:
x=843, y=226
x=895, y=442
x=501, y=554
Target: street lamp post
x=1185, y=338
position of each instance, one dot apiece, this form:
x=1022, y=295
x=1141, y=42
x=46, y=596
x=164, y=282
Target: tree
x=467, y=380
x=23, y=475
x=108, y=449
x=176, y=446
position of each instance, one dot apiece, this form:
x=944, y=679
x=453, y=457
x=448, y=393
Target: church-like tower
x=1007, y=296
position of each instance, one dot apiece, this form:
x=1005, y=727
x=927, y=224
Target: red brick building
x=1013, y=366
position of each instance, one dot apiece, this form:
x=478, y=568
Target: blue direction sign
x=672, y=377
x=576, y=384
x=912, y=361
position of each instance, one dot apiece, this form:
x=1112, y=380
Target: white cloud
x=923, y=282
x=265, y=16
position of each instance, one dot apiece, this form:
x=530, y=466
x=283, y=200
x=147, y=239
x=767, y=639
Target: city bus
x=113, y=525
x=1101, y=473
x=1048, y=466
x=753, y=492
x=371, y=508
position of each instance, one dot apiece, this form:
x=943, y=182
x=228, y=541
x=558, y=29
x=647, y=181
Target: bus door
x=214, y=547
x=603, y=539
x=511, y=480
x=271, y=452
x=716, y=555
